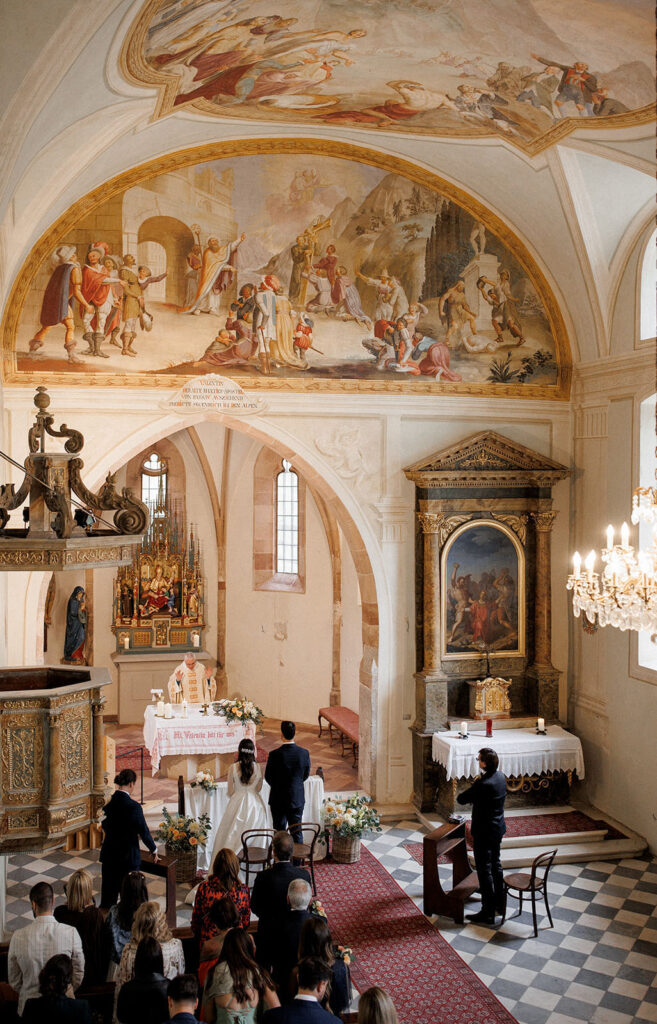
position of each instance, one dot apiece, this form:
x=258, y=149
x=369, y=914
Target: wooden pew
x=344, y=721
x=448, y=841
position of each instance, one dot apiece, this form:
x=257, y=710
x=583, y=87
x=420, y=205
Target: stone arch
x=176, y=239
x=357, y=531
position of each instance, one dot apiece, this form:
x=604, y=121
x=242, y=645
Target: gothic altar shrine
x=483, y=600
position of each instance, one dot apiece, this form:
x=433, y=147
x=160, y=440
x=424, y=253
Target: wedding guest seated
x=315, y=941
x=224, y=915
x=182, y=996
x=305, y=1008
x=121, y=915
x=376, y=1007
x=288, y=932
x=238, y=986
x=143, y=1000
x=149, y=922
x=269, y=896
x=224, y=880
x=32, y=947
x=54, y=1004
x=81, y=912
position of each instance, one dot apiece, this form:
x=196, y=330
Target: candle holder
x=541, y=732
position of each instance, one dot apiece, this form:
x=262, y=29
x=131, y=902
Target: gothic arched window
x=287, y=520
x=153, y=481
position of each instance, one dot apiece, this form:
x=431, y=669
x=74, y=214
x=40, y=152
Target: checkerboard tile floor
x=598, y=964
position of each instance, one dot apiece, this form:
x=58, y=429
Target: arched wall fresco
x=525, y=71
x=291, y=265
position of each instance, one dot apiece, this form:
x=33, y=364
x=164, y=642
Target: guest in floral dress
x=150, y=922
x=237, y=987
x=224, y=880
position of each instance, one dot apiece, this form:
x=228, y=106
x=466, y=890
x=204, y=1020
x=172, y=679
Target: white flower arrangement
x=205, y=780
x=353, y=816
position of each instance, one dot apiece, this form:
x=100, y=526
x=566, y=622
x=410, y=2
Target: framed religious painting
x=482, y=585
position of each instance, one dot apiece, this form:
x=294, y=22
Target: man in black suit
x=287, y=769
x=269, y=896
x=305, y=1008
x=487, y=795
x=286, y=953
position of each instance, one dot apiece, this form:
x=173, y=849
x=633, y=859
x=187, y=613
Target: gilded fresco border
x=139, y=73
x=249, y=147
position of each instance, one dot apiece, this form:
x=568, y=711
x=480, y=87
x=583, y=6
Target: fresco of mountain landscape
x=297, y=268
x=529, y=71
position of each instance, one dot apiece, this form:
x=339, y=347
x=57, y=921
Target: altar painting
x=290, y=270
x=483, y=592
x=527, y=71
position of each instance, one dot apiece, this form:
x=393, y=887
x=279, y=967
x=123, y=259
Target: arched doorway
x=176, y=239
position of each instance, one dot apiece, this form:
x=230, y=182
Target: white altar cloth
x=199, y=801
x=195, y=734
x=521, y=752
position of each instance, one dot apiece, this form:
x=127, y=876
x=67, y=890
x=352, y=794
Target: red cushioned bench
x=344, y=721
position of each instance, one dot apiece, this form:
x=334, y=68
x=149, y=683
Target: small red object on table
x=489, y=727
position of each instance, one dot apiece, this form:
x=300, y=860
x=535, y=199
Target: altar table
x=183, y=746
x=199, y=801
x=538, y=768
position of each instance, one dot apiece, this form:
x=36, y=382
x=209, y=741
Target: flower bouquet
x=346, y=821
x=239, y=710
x=206, y=781
x=181, y=837
x=345, y=953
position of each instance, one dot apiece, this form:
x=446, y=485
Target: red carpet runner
x=397, y=948
x=535, y=825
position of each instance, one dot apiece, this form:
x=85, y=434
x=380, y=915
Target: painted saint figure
x=76, y=628
x=217, y=270
x=504, y=311
x=63, y=288
x=155, y=592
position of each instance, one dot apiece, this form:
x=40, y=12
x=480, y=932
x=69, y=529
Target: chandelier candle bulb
x=610, y=537
x=590, y=563
x=625, y=536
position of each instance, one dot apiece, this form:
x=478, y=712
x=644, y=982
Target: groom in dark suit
x=287, y=769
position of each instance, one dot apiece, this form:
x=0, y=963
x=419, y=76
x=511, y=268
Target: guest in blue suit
x=182, y=994
x=287, y=769
x=305, y=1008
x=123, y=826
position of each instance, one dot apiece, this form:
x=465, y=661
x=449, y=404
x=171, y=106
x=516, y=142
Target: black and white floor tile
x=598, y=964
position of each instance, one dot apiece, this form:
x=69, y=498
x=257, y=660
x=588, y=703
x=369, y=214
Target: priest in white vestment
x=192, y=682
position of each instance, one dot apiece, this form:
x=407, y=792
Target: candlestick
x=160, y=707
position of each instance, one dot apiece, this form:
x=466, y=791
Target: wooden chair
x=524, y=883
x=254, y=851
x=305, y=852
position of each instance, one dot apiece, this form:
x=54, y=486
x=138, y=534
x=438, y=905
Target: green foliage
x=178, y=832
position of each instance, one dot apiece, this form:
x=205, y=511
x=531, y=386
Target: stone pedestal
x=485, y=265
x=141, y=673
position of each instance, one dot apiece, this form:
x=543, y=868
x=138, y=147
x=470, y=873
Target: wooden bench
x=344, y=721
x=447, y=841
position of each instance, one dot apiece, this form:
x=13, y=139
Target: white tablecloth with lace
x=195, y=734
x=199, y=801
x=521, y=752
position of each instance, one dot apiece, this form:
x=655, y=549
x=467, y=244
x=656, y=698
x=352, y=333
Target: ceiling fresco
x=306, y=270
x=529, y=71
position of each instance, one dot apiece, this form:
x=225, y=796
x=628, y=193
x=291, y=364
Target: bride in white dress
x=246, y=808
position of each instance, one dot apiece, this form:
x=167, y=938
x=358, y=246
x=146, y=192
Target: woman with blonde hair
x=150, y=922
x=376, y=1007
x=80, y=911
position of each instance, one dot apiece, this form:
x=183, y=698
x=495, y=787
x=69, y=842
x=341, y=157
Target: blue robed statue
x=76, y=628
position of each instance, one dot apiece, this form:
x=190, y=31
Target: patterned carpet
x=395, y=947
x=534, y=825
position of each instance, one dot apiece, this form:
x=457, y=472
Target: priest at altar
x=191, y=682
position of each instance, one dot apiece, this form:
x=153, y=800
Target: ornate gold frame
x=249, y=147
x=138, y=72
x=449, y=543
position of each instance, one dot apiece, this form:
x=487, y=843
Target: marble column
x=543, y=522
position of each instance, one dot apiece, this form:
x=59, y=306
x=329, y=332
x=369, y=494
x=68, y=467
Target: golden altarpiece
x=483, y=599
x=159, y=598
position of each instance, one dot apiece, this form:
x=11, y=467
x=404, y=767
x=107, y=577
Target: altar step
x=572, y=847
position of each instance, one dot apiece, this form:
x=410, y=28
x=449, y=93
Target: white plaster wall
x=351, y=642
x=278, y=644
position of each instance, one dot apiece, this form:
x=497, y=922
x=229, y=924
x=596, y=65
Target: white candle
x=464, y=728
x=196, y=639
x=577, y=564
x=541, y=725
x=160, y=707
x=167, y=711
x=625, y=536
x=610, y=537
x=126, y=643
